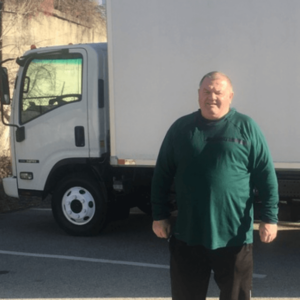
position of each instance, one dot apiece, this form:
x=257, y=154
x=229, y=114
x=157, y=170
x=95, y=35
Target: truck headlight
x=26, y=175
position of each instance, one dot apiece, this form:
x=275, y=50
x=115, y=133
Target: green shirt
x=215, y=166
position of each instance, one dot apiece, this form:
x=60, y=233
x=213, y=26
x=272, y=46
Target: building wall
x=19, y=33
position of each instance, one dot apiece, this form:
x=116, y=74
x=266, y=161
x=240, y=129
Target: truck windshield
x=50, y=83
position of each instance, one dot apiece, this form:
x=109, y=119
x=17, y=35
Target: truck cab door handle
x=79, y=136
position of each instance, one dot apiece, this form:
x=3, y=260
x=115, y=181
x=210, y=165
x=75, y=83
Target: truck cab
x=59, y=127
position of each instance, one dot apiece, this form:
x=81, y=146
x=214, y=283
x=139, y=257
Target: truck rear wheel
x=145, y=206
x=79, y=206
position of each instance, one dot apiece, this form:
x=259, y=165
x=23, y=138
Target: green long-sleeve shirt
x=215, y=165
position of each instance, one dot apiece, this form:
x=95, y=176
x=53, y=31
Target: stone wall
x=19, y=33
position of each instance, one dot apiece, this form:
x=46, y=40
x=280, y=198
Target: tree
x=16, y=16
x=86, y=12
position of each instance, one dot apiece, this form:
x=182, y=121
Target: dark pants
x=191, y=267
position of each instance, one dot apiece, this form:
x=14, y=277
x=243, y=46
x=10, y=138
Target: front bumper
x=10, y=186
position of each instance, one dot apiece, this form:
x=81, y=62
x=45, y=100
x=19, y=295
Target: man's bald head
x=215, y=95
x=214, y=75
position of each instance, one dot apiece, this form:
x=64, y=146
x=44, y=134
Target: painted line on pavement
x=97, y=260
x=165, y=298
x=259, y=276
x=86, y=259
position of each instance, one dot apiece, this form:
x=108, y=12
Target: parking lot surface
x=39, y=261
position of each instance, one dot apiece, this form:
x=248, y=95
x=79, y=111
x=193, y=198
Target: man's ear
x=199, y=90
x=198, y=94
x=231, y=96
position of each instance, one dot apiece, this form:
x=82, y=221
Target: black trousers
x=191, y=266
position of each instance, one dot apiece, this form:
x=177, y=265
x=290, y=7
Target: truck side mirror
x=5, y=100
x=4, y=87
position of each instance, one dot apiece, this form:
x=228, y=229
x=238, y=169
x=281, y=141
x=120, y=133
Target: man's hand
x=267, y=232
x=162, y=228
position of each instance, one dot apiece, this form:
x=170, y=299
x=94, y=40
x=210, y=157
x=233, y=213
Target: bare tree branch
x=85, y=11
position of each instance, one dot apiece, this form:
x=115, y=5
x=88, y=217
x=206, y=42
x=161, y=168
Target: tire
x=79, y=205
x=142, y=200
x=295, y=211
x=145, y=208
x=144, y=204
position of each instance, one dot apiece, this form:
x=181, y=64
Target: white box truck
x=87, y=120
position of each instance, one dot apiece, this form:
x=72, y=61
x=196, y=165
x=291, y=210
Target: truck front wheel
x=79, y=206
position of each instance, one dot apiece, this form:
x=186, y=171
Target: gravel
x=8, y=204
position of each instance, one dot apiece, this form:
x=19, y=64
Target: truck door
x=52, y=107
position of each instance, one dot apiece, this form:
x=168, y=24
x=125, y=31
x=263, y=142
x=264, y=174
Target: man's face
x=215, y=96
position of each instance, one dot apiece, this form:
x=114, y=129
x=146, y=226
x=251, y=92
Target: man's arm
x=264, y=178
x=161, y=182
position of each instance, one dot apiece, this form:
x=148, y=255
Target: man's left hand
x=267, y=232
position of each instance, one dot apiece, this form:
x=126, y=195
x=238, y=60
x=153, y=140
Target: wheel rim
x=78, y=205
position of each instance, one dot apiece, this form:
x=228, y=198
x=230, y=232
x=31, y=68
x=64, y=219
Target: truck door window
x=50, y=83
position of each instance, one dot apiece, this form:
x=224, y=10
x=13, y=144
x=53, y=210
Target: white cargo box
x=160, y=49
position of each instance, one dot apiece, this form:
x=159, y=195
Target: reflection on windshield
x=50, y=83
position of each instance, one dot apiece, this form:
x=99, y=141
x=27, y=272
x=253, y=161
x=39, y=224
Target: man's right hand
x=162, y=228
x=267, y=232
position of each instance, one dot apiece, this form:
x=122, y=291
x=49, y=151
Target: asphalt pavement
x=39, y=261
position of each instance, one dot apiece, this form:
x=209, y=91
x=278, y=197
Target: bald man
x=215, y=156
